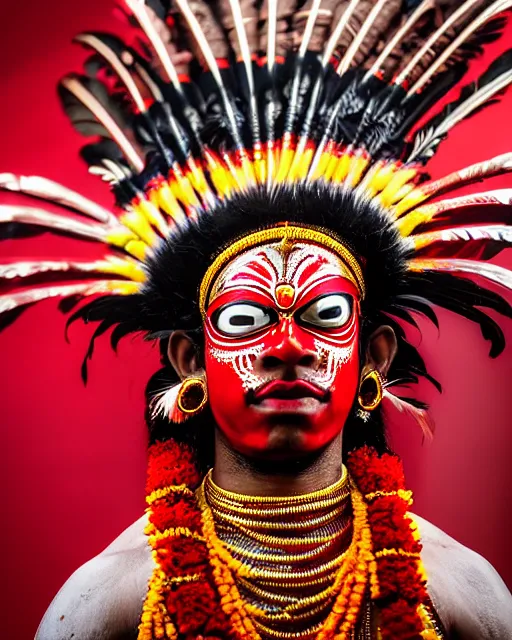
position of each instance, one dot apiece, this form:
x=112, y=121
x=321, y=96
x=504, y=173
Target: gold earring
x=193, y=395
x=370, y=390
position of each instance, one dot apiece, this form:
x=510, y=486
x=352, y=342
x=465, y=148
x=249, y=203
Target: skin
x=102, y=600
x=297, y=450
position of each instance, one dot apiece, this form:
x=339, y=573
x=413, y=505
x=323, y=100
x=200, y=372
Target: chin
x=289, y=439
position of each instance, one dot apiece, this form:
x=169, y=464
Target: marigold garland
x=193, y=591
x=400, y=573
x=181, y=601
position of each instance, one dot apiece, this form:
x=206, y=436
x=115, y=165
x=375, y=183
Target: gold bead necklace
x=287, y=552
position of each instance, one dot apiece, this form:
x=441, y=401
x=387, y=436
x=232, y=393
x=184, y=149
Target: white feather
x=271, y=34
x=207, y=52
x=49, y=190
x=164, y=403
x=433, y=38
x=139, y=10
x=486, y=270
x=420, y=416
x=462, y=111
x=346, y=61
x=80, y=92
x=495, y=8
x=399, y=35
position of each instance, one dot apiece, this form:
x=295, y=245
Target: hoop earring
x=192, y=396
x=370, y=390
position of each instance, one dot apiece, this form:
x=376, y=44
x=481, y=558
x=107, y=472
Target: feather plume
x=476, y=243
x=476, y=172
x=91, y=117
x=274, y=24
x=399, y=36
x=488, y=207
x=460, y=266
x=117, y=266
x=477, y=23
x=339, y=29
x=147, y=21
x=245, y=50
x=18, y=299
x=209, y=58
x=52, y=221
x=375, y=12
x=99, y=45
x=406, y=407
x=241, y=25
x=430, y=42
x=497, y=78
x=165, y=404
x=51, y=191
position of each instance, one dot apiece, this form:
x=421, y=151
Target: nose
x=287, y=356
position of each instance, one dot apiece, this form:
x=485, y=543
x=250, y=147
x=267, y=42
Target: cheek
x=339, y=374
x=225, y=383
x=229, y=375
x=345, y=384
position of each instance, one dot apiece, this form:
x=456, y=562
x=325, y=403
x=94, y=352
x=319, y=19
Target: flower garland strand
x=193, y=591
x=181, y=601
x=400, y=593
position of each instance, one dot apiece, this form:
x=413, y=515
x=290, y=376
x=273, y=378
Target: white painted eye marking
x=328, y=312
x=242, y=318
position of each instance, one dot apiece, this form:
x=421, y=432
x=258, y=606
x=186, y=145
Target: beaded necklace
x=218, y=577
x=288, y=557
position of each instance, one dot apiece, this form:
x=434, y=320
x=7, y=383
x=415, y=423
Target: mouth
x=281, y=396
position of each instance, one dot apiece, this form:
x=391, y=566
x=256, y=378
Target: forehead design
x=283, y=271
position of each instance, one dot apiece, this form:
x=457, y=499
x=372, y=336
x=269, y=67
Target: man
x=273, y=244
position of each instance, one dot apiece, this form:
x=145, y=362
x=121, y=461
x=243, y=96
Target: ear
x=182, y=354
x=381, y=349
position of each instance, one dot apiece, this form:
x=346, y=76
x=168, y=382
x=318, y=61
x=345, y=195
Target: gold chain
x=314, y=497
x=258, y=532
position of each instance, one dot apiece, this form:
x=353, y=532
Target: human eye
x=328, y=312
x=242, y=318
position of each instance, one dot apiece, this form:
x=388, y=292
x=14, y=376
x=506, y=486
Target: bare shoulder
x=470, y=596
x=103, y=599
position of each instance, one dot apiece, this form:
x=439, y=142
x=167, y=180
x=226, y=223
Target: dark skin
x=236, y=472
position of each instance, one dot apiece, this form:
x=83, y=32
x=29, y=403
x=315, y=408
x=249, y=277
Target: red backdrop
x=73, y=457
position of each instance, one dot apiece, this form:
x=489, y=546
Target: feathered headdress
x=235, y=116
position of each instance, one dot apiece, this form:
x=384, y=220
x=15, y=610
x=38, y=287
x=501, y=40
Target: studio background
x=73, y=457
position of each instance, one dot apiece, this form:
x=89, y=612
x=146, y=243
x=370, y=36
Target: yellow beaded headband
x=283, y=232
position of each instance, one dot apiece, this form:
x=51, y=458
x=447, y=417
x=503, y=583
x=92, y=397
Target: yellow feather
x=152, y=214
x=342, y=167
x=414, y=198
x=137, y=222
x=120, y=266
x=409, y=222
x=401, y=177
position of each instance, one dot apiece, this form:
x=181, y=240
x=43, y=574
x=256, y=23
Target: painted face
x=281, y=349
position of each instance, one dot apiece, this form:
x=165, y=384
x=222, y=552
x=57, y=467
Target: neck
x=287, y=551
x=240, y=474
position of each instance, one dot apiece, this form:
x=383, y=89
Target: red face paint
x=281, y=349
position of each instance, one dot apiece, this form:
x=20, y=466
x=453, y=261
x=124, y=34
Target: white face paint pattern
x=260, y=270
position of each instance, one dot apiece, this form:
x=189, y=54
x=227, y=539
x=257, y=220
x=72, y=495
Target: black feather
x=17, y=230
x=463, y=296
x=499, y=66
x=8, y=317
x=82, y=118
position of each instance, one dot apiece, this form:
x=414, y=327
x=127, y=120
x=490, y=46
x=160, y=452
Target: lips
x=289, y=390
